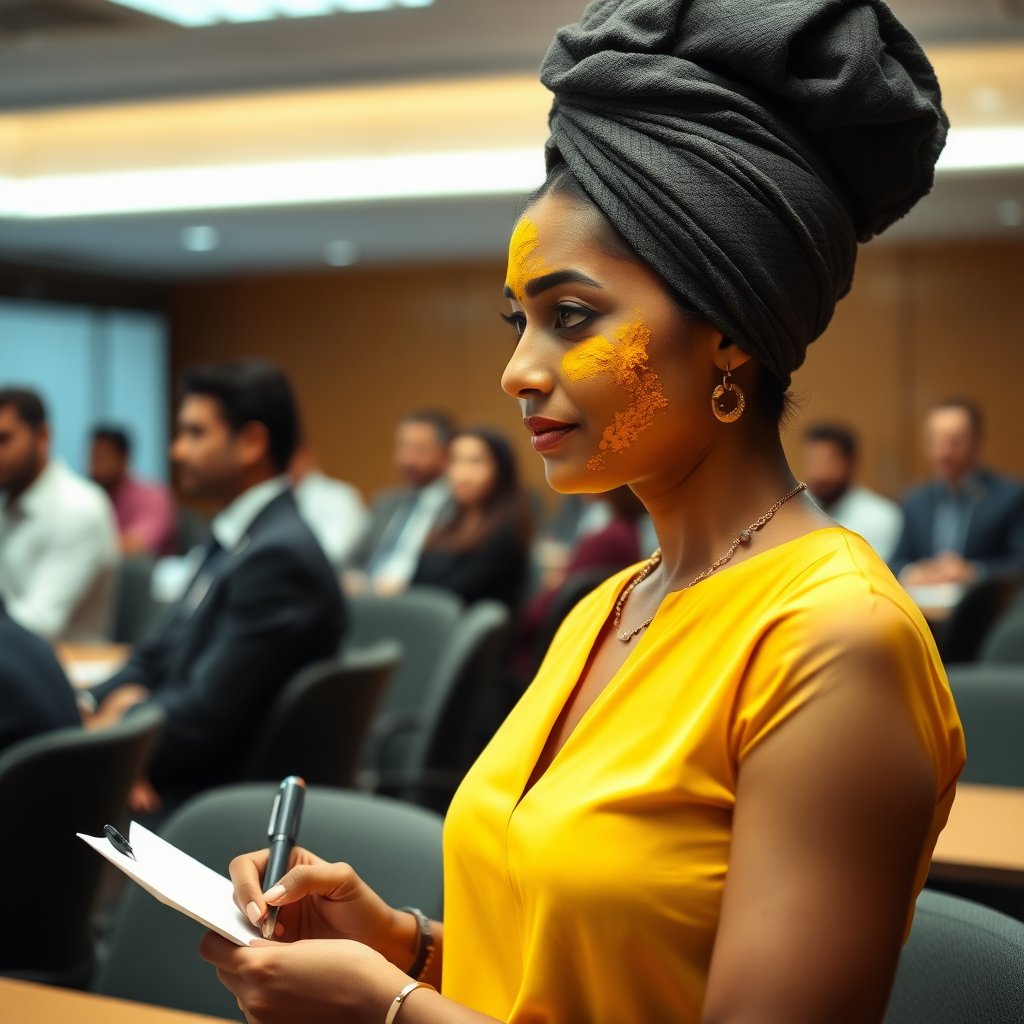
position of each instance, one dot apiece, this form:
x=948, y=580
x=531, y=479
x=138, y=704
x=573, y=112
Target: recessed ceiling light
x=1011, y=213
x=340, y=253
x=193, y=13
x=200, y=238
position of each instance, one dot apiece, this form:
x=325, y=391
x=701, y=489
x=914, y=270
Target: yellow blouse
x=596, y=899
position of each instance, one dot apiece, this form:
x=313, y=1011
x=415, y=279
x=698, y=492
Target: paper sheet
x=180, y=881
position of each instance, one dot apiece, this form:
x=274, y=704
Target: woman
x=718, y=800
x=481, y=552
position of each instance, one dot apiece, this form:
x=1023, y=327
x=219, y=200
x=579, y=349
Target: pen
x=118, y=841
x=282, y=832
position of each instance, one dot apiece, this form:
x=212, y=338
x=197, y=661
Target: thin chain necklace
x=655, y=560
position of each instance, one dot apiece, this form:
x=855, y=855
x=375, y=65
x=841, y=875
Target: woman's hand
x=320, y=900
x=333, y=982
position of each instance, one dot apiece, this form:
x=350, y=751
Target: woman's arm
x=833, y=810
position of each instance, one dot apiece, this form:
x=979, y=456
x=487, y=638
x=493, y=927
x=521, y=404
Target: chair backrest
x=963, y=964
x=422, y=620
x=319, y=723
x=395, y=848
x=445, y=735
x=136, y=612
x=53, y=786
x=572, y=591
x=990, y=701
x=978, y=611
x=1005, y=643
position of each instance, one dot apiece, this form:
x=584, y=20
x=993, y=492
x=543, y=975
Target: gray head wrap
x=744, y=147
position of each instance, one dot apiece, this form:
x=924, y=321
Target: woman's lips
x=547, y=433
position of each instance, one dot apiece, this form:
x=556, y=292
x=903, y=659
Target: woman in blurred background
x=482, y=550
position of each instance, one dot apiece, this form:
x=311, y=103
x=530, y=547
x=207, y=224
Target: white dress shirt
x=335, y=512
x=58, y=554
x=399, y=565
x=878, y=520
x=231, y=524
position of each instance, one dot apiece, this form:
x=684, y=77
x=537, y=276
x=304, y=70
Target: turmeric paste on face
x=523, y=266
x=627, y=361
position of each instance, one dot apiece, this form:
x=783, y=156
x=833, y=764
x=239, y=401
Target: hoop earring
x=718, y=406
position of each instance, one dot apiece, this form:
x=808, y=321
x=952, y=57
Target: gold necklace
x=655, y=560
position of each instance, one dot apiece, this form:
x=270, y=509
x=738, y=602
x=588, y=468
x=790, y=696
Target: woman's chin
x=572, y=476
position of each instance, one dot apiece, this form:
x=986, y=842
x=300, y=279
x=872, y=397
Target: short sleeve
x=804, y=649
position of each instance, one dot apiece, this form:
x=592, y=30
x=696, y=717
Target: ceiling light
x=493, y=172
x=200, y=238
x=192, y=13
x=340, y=253
x=978, y=149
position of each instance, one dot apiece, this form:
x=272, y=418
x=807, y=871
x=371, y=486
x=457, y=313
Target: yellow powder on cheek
x=629, y=363
x=523, y=266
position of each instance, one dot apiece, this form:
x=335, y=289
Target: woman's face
x=614, y=383
x=471, y=471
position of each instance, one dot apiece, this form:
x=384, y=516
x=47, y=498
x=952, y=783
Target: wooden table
x=984, y=838
x=90, y=664
x=25, y=1003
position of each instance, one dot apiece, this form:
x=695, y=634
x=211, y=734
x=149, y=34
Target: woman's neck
x=700, y=511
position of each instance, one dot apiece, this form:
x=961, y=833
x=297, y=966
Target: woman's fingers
x=246, y=872
x=331, y=881
x=224, y=955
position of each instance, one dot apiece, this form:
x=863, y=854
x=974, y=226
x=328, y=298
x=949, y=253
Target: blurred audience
x=402, y=519
x=609, y=548
x=35, y=695
x=830, y=469
x=146, y=514
x=481, y=550
x=264, y=603
x=332, y=509
x=967, y=521
x=58, y=537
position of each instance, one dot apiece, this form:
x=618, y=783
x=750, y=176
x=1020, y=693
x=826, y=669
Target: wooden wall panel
x=364, y=346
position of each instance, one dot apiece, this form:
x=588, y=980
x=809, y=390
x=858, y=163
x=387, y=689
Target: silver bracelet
x=401, y=998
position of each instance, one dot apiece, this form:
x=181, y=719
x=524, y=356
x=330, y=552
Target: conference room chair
x=52, y=786
x=154, y=954
x=319, y=724
x=422, y=752
x=990, y=700
x=1005, y=643
x=961, y=637
x=135, y=611
x=963, y=964
x=422, y=620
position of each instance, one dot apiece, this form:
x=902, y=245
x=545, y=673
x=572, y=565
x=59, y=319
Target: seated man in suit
x=402, y=518
x=968, y=521
x=35, y=695
x=264, y=603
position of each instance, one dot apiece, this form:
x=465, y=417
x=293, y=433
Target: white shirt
x=231, y=524
x=58, y=554
x=878, y=520
x=335, y=512
x=399, y=565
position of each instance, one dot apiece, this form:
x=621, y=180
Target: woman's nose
x=529, y=370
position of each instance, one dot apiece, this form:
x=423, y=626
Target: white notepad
x=180, y=881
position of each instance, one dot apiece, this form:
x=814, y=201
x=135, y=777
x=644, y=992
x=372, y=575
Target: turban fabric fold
x=744, y=147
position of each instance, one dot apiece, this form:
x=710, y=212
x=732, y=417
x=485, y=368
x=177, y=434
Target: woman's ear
x=728, y=353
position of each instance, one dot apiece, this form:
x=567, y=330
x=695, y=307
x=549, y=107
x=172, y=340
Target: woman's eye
x=517, y=320
x=567, y=317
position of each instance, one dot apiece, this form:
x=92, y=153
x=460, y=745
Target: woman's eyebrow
x=546, y=281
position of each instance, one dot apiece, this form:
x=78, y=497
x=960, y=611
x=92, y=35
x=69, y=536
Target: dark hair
x=443, y=424
x=507, y=505
x=28, y=404
x=972, y=410
x=834, y=433
x=251, y=391
x=773, y=397
x=114, y=436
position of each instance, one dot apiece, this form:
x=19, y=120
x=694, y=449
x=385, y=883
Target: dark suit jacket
x=995, y=537
x=386, y=505
x=273, y=606
x=35, y=695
